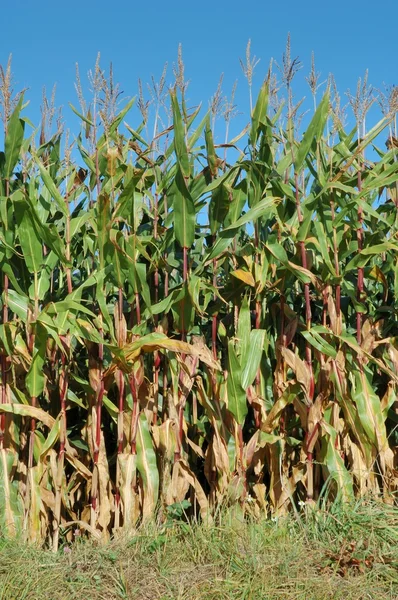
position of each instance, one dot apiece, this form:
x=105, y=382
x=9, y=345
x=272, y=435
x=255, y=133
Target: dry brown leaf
x=299, y=367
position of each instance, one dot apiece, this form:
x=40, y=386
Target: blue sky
x=46, y=38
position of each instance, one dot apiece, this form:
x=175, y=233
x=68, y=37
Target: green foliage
x=154, y=362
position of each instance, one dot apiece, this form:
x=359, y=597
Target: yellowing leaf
x=244, y=276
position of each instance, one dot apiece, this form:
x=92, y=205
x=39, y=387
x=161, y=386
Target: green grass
x=349, y=554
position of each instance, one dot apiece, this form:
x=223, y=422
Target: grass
x=344, y=553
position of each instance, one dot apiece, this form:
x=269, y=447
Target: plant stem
x=336, y=259
x=360, y=286
x=3, y=389
x=134, y=416
x=120, y=416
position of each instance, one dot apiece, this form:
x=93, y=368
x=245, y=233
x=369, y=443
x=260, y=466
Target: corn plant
x=151, y=355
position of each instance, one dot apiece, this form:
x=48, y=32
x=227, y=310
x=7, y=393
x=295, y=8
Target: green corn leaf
x=120, y=116
x=318, y=342
x=314, y=131
x=48, y=233
x=237, y=404
x=29, y=237
x=51, y=439
x=252, y=359
x=14, y=140
x=52, y=188
x=49, y=265
x=184, y=213
x=335, y=464
x=147, y=466
x=265, y=209
x=184, y=310
x=323, y=246
x=369, y=410
x=52, y=329
x=179, y=138
x=6, y=338
x=243, y=331
x=103, y=219
x=219, y=207
x=35, y=378
x=18, y=303
x=305, y=226
x=210, y=150
x=198, y=130
x=82, y=117
x=259, y=114
x=11, y=503
x=111, y=408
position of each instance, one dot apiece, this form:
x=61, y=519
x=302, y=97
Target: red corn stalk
x=98, y=410
x=31, y=348
x=166, y=274
x=242, y=469
x=214, y=320
x=336, y=260
x=157, y=358
x=121, y=375
x=135, y=415
x=101, y=387
x=308, y=356
x=3, y=391
x=258, y=305
x=360, y=286
x=185, y=252
x=181, y=406
x=120, y=417
x=283, y=342
x=63, y=386
x=137, y=308
x=308, y=314
x=4, y=365
x=156, y=369
x=166, y=293
x=182, y=397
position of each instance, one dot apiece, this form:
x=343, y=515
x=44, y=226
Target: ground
x=346, y=553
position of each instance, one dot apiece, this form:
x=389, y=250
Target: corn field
x=185, y=321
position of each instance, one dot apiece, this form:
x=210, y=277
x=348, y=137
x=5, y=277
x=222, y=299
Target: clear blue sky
x=46, y=38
